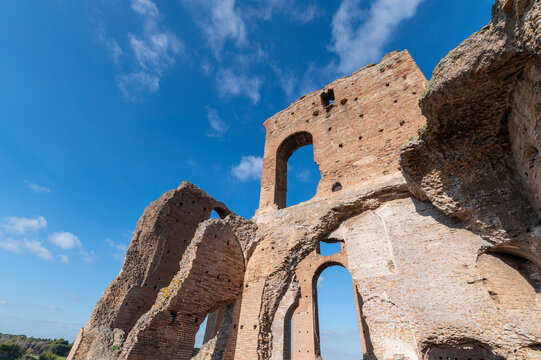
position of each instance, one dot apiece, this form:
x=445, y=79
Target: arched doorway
x=336, y=314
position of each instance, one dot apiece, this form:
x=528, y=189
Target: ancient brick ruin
x=432, y=189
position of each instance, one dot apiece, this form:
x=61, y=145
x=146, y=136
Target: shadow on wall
x=462, y=352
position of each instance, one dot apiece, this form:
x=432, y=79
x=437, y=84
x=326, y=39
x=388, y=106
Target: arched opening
x=219, y=213
x=336, y=319
x=200, y=337
x=297, y=174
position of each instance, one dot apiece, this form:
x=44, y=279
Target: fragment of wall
x=161, y=236
x=210, y=277
x=356, y=138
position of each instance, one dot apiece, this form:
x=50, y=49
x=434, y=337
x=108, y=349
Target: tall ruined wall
x=355, y=138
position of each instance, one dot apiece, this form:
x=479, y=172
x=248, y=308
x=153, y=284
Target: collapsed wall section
x=160, y=239
x=210, y=277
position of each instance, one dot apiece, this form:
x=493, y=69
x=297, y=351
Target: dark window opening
x=336, y=187
x=327, y=97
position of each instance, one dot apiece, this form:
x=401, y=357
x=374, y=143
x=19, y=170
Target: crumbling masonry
x=436, y=204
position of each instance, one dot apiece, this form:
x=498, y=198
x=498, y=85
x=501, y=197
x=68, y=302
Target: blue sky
x=106, y=104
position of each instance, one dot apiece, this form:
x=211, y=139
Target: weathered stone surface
x=464, y=160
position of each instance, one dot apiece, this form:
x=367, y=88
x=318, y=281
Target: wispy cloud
x=359, y=36
x=65, y=240
x=137, y=83
x=32, y=246
x=219, y=20
x=145, y=7
x=217, y=127
x=303, y=175
x=51, y=307
x=120, y=249
x=37, y=188
x=232, y=83
x=88, y=256
x=22, y=225
x=73, y=296
x=248, y=169
x=64, y=259
x=3, y=303
x=266, y=9
x=155, y=50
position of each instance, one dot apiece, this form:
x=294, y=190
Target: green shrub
x=47, y=355
x=13, y=351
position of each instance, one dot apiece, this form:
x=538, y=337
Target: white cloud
x=120, y=249
x=230, y=83
x=3, y=303
x=51, y=307
x=248, y=169
x=359, y=36
x=320, y=280
x=145, y=7
x=37, y=188
x=64, y=259
x=219, y=20
x=32, y=246
x=114, y=50
x=37, y=248
x=136, y=83
x=65, y=240
x=266, y=9
x=88, y=257
x=303, y=175
x=217, y=127
x=155, y=50
x=73, y=296
x=22, y=225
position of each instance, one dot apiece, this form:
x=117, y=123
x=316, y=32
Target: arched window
x=298, y=173
x=337, y=326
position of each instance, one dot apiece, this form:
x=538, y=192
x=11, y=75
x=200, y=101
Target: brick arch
x=284, y=151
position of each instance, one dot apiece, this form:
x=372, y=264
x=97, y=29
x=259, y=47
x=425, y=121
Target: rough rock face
x=443, y=252
x=476, y=158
